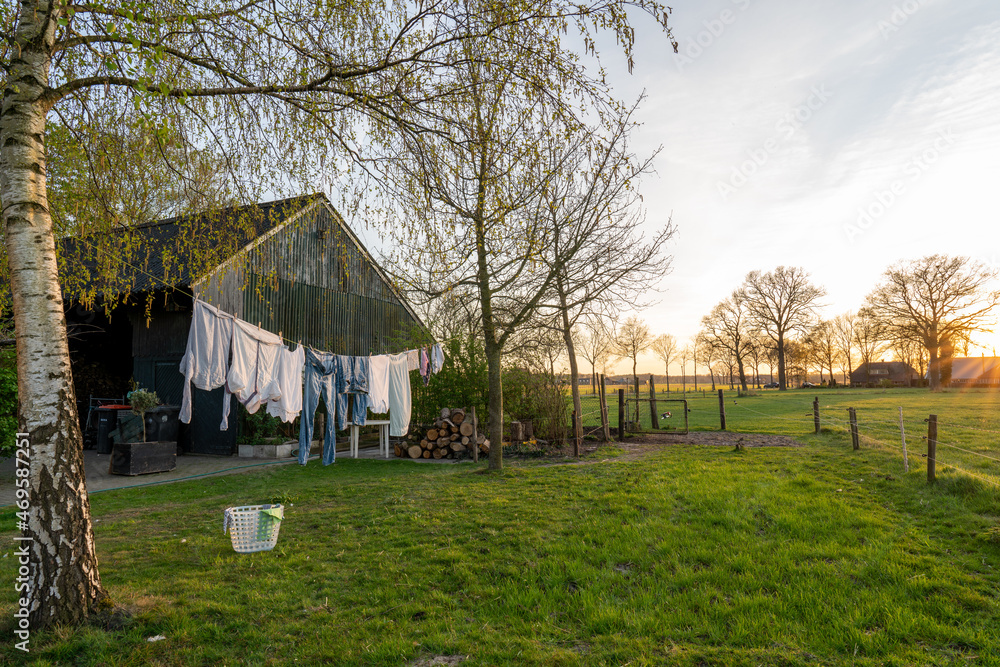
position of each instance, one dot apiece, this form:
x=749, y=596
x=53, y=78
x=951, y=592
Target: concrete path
x=99, y=479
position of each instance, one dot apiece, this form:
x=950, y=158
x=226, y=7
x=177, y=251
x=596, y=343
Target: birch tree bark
x=63, y=556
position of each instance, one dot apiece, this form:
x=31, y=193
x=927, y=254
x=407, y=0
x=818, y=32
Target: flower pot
x=140, y=458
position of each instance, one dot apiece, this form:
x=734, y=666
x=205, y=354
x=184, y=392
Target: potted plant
x=137, y=458
x=142, y=400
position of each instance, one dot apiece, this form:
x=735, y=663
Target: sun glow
x=986, y=343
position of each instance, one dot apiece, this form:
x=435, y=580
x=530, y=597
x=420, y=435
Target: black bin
x=163, y=423
x=107, y=421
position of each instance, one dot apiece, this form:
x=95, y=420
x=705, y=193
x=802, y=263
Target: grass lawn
x=968, y=421
x=690, y=556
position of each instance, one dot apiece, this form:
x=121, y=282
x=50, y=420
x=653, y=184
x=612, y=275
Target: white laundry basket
x=250, y=530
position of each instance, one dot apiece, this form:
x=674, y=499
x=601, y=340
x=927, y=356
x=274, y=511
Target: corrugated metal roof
x=971, y=368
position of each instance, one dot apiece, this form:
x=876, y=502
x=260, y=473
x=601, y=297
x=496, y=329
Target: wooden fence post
x=621, y=415
x=654, y=418
x=816, y=414
x=902, y=434
x=475, y=436
x=854, y=428
x=931, y=447
x=577, y=421
x=605, y=426
x=722, y=411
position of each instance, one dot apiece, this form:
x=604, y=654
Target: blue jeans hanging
x=320, y=374
x=352, y=380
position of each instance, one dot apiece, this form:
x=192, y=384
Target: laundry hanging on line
x=254, y=365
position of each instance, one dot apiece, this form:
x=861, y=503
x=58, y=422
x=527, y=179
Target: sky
x=839, y=137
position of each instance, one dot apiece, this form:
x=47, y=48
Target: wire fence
x=960, y=438
x=920, y=440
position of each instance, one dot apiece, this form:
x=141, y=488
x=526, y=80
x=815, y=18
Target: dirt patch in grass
x=435, y=661
x=644, y=444
x=723, y=439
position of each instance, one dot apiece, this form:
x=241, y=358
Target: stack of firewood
x=452, y=436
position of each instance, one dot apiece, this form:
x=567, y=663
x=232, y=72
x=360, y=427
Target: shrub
x=259, y=428
x=538, y=397
x=461, y=383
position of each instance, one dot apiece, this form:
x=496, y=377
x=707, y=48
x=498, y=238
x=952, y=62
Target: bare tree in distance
x=631, y=340
x=934, y=299
x=781, y=302
x=870, y=338
x=797, y=359
x=843, y=329
x=694, y=359
x=665, y=347
x=684, y=355
x=822, y=341
x=707, y=355
x=725, y=329
x=597, y=252
x=911, y=353
x=595, y=345
x=756, y=350
x=771, y=354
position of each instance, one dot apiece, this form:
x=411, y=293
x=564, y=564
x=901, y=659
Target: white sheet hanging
x=206, y=359
x=252, y=376
x=289, y=376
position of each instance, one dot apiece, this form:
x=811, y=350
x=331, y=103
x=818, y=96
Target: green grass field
x=815, y=555
x=968, y=421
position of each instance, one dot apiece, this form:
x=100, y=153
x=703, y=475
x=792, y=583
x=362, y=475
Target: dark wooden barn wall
x=312, y=282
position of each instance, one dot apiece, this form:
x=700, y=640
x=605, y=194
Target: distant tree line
x=921, y=313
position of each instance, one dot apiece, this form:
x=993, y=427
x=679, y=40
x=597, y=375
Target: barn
x=975, y=372
x=900, y=374
x=292, y=266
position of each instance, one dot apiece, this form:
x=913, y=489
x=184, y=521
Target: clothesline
x=189, y=293
x=256, y=367
x=206, y=365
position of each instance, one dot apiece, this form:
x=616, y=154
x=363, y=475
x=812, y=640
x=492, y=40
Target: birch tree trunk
x=65, y=584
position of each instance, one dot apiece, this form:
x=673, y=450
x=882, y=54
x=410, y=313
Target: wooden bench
x=383, y=436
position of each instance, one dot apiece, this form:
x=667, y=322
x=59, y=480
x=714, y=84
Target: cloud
x=892, y=93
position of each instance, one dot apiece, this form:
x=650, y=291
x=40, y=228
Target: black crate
x=163, y=423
